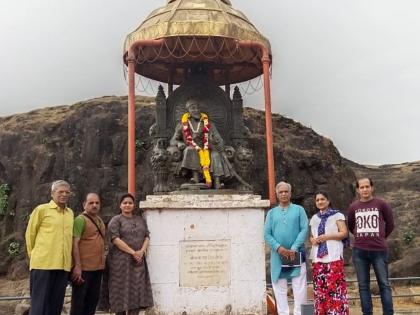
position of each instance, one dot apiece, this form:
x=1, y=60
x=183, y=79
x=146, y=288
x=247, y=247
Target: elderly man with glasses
x=49, y=238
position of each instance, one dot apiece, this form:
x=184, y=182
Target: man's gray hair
x=289, y=187
x=59, y=183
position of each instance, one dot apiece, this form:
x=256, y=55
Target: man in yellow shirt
x=49, y=238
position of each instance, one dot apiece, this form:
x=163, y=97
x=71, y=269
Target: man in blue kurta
x=285, y=231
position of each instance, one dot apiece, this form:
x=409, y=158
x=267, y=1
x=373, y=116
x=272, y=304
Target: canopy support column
x=131, y=62
x=268, y=127
x=265, y=60
x=131, y=126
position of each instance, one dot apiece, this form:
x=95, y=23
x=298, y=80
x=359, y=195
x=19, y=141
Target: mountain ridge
x=85, y=143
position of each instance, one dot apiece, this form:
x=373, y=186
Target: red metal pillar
x=268, y=127
x=265, y=59
x=131, y=126
x=131, y=63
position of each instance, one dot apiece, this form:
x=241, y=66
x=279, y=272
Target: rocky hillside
x=86, y=144
x=400, y=186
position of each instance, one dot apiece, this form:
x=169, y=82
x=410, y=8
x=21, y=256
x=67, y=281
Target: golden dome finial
x=198, y=32
x=224, y=1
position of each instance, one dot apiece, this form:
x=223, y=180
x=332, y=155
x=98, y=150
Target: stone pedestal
x=206, y=253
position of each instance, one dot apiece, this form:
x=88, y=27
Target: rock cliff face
x=86, y=144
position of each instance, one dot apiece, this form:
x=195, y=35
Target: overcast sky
x=349, y=69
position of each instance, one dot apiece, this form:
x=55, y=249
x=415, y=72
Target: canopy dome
x=204, y=32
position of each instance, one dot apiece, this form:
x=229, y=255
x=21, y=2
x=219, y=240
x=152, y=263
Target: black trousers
x=47, y=288
x=84, y=297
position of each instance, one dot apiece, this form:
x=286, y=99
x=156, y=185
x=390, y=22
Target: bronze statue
x=202, y=146
x=243, y=161
x=200, y=140
x=159, y=160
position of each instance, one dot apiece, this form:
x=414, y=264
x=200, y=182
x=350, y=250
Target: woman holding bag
x=328, y=230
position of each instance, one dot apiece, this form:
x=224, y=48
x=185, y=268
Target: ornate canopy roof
x=203, y=32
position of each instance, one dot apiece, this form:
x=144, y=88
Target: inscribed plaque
x=204, y=263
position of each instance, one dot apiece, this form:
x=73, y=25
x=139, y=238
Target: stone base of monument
x=206, y=253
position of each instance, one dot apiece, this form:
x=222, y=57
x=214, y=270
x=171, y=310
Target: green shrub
x=14, y=249
x=408, y=236
x=142, y=145
x=4, y=197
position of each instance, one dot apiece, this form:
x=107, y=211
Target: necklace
x=191, y=126
x=204, y=153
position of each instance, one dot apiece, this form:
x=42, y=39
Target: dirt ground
x=12, y=288
x=402, y=305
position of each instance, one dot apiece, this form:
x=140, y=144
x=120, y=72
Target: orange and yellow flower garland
x=203, y=153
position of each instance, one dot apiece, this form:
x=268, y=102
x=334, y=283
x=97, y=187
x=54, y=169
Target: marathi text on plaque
x=204, y=263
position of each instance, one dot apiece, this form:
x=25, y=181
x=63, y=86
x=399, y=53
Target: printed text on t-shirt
x=367, y=222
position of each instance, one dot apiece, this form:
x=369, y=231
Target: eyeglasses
x=64, y=192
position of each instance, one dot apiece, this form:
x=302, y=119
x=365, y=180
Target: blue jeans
x=362, y=260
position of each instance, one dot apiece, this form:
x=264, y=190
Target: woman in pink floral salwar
x=328, y=230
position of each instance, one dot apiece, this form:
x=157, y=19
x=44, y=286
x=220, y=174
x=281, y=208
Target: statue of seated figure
x=203, y=150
